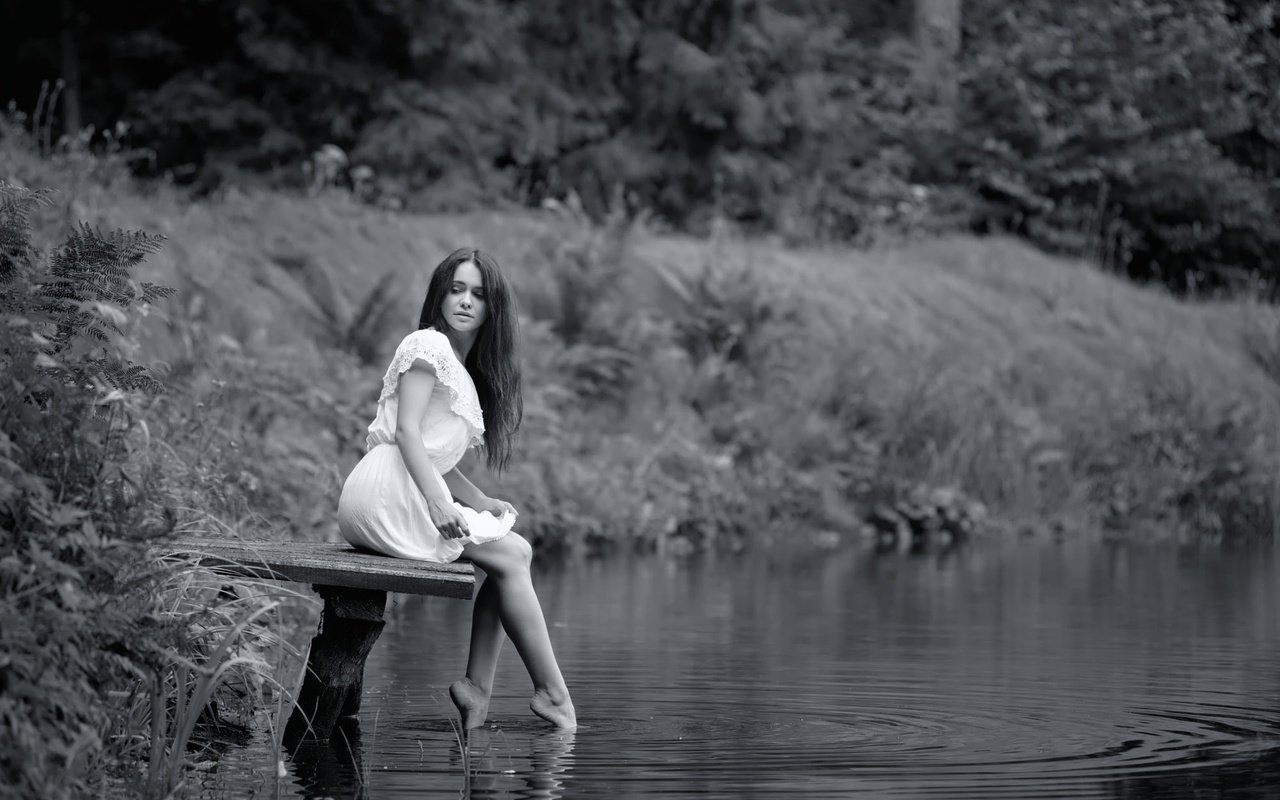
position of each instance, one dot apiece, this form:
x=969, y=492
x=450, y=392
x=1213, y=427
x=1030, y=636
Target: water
x=1011, y=670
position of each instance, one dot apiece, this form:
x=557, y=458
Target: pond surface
x=1017, y=669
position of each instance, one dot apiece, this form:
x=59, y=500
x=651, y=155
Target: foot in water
x=472, y=703
x=555, y=708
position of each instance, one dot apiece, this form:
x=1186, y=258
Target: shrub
x=74, y=515
x=88, y=615
x=1180, y=459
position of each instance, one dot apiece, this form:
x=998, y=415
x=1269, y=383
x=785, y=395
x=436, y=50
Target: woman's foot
x=472, y=703
x=554, y=707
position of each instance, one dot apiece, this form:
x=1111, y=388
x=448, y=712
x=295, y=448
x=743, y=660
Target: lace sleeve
x=433, y=347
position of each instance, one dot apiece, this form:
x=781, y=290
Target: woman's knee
x=509, y=555
x=523, y=550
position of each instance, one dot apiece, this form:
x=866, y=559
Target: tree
x=937, y=37
x=68, y=39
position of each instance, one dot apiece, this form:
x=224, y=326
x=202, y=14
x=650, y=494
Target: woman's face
x=465, y=303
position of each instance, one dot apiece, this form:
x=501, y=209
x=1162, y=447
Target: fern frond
x=92, y=265
x=16, y=205
x=21, y=200
x=82, y=291
x=125, y=376
x=364, y=331
x=151, y=292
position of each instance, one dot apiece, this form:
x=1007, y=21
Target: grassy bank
x=688, y=391
x=684, y=391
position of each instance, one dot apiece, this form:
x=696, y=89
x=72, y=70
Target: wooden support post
x=349, y=625
x=354, y=585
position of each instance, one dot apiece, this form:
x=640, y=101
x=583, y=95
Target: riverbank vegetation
x=699, y=391
x=115, y=657
x=682, y=393
x=755, y=308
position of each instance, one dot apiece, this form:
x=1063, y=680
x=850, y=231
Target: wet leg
x=471, y=694
x=506, y=562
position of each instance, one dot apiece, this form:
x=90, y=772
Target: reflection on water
x=1002, y=670
x=533, y=763
x=332, y=768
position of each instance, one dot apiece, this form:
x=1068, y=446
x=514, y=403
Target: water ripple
x=759, y=685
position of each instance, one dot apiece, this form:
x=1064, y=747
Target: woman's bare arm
x=416, y=385
x=469, y=494
x=463, y=489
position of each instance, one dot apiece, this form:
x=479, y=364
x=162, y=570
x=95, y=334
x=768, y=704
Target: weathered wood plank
x=330, y=564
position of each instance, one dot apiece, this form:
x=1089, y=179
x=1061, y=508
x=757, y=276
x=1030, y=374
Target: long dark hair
x=492, y=361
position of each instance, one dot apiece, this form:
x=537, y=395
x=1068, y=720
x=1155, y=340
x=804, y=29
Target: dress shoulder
x=433, y=347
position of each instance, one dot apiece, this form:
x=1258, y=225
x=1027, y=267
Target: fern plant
x=75, y=303
x=75, y=507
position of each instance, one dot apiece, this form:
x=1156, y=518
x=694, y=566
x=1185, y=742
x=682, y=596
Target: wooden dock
x=330, y=564
x=354, y=586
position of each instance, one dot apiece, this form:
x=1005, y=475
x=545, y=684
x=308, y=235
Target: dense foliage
x=109, y=654
x=1142, y=134
x=1146, y=135
x=71, y=525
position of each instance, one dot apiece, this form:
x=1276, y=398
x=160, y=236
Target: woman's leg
x=471, y=695
x=506, y=563
x=487, y=637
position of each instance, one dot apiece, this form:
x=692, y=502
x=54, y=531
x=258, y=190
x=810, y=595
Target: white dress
x=381, y=508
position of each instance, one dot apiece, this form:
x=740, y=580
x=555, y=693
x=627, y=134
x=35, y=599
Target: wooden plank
x=329, y=564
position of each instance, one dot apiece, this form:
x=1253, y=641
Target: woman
x=453, y=384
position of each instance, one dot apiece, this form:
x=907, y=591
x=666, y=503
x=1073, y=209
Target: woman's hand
x=447, y=519
x=496, y=507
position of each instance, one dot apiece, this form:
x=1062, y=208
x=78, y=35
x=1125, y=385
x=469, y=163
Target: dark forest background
x=1145, y=136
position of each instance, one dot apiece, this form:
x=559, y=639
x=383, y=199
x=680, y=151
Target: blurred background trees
x=1144, y=135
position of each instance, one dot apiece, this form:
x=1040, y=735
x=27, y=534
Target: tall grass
x=208, y=682
x=114, y=660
